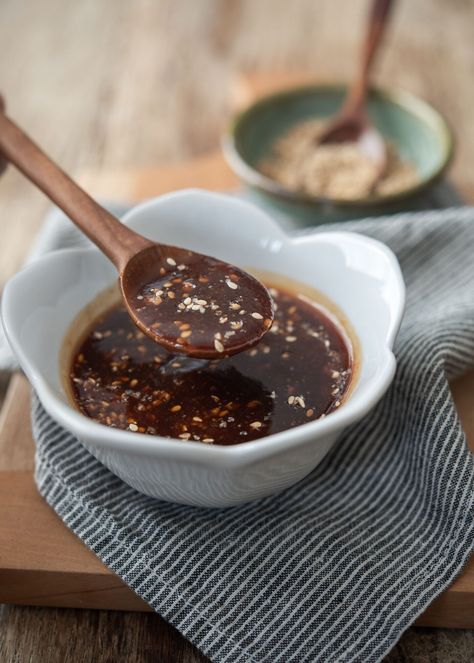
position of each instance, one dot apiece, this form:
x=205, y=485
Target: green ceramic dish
x=418, y=131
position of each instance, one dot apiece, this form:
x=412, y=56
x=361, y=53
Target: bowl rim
x=410, y=102
x=210, y=455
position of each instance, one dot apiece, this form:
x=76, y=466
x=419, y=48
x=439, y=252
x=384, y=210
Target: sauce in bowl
x=299, y=372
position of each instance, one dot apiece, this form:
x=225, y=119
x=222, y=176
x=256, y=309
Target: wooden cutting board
x=41, y=562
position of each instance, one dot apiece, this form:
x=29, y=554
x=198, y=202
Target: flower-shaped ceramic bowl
x=359, y=275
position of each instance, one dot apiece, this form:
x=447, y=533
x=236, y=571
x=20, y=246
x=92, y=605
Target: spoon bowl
x=194, y=304
x=357, y=129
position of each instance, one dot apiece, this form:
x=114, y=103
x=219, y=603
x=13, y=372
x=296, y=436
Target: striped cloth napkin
x=337, y=567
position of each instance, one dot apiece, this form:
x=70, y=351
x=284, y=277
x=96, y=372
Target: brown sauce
x=203, y=309
x=297, y=373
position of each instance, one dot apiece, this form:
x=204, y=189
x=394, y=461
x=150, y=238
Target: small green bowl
x=419, y=133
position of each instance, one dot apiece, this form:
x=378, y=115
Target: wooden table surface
x=126, y=83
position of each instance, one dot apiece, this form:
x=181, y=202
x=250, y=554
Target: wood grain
x=80, y=75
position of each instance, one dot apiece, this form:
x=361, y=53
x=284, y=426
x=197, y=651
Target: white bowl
x=360, y=275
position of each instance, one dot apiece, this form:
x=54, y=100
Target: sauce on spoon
x=200, y=306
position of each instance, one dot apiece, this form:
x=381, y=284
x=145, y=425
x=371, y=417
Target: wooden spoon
x=351, y=123
x=188, y=302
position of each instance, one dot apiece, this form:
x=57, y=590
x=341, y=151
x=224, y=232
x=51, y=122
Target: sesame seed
x=237, y=325
x=170, y=261
x=218, y=345
x=291, y=400
x=231, y=284
x=134, y=382
x=133, y=427
x=187, y=301
x=171, y=294
x=197, y=419
x=290, y=339
x=234, y=306
x=222, y=320
x=175, y=408
x=185, y=436
x=257, y=316
x=186, y=334
x=208, y=439
x=256, y=424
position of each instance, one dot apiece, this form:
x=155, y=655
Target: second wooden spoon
x=351, y=123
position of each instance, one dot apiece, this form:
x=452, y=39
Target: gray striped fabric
x=337, y=567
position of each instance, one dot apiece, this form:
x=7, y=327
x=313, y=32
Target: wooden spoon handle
x=378, y=20
x=118, y=242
